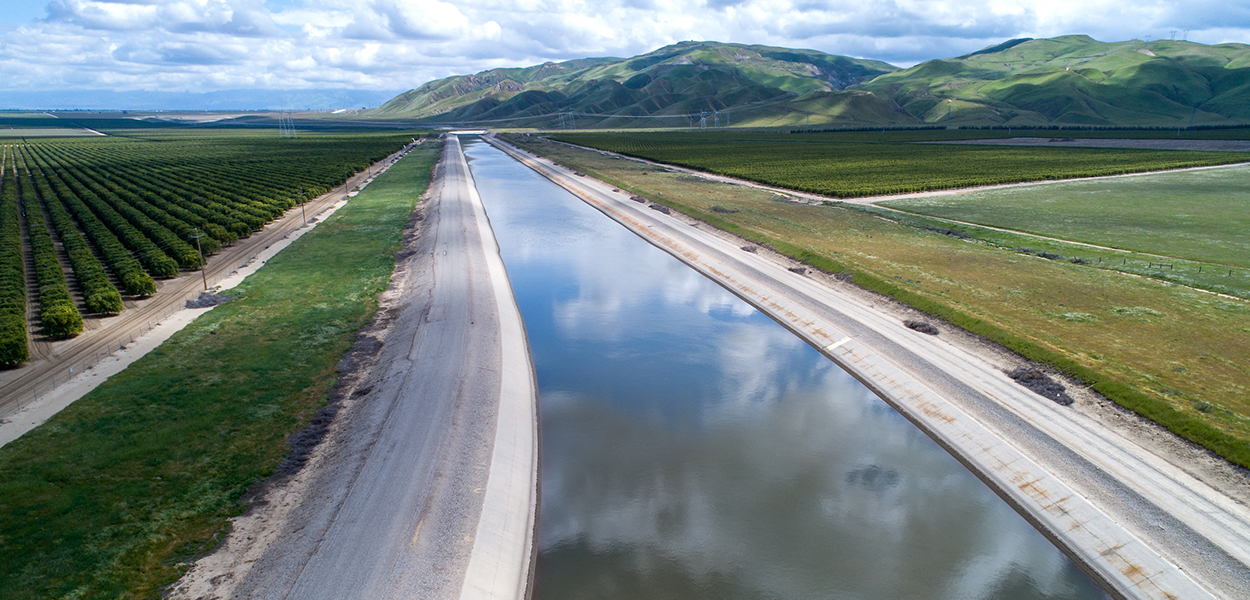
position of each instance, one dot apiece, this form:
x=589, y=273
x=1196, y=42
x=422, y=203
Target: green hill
x=1069, y=80
x=1078, y=80
x=749, y=85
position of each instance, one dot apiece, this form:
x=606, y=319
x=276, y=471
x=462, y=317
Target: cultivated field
x=1196, y=215
x=1172, y=353
x=849, y=165
x=108, y=497
x=102, y=218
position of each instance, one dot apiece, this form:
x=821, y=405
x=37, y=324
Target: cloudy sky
x=205, y=45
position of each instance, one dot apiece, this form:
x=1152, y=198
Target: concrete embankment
x=425, y=486
x=1141, y=526
x=502, y=560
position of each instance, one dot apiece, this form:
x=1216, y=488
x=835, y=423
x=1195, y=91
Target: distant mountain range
x=254, y=99
x=667, y=87
x=1069, y=80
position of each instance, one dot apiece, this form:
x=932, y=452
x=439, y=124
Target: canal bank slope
x=425, y=485
x=1140, y=525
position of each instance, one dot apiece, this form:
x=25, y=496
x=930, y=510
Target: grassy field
x=1172, y=353
x=829, y=164
x=1196, y=215
x=111, y=495
x=1220, y=278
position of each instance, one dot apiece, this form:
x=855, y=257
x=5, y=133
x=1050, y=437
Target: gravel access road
x=427, y=485
x=1143, y=526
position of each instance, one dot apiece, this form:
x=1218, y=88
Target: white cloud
x=186, y=45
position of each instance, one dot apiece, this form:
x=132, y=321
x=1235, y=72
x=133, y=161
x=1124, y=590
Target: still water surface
x=693, y=448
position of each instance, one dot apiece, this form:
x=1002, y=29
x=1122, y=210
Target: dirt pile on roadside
x=208, y=300
x=921, y=326
x=1041, y=384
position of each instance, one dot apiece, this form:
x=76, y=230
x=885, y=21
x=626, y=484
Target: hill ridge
x=1064, y=80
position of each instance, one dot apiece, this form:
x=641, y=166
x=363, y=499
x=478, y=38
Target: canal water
x=693, y=448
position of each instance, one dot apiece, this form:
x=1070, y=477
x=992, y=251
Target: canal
x=693, y=448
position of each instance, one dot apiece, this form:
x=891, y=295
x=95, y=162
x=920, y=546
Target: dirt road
x=1144, y=526
x=426, y=485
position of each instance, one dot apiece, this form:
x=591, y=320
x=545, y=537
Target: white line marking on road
x=830, y=347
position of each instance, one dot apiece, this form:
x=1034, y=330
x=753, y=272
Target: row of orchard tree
x=126, y=213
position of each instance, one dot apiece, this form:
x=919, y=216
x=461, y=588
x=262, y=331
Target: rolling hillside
x=750, y=85
x=1069, y=80
x=1078, y=80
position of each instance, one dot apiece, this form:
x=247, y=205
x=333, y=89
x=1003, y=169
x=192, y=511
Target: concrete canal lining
x=503, y=548
x=1119, y=485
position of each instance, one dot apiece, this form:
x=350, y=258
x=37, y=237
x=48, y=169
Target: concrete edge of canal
x=1125, y=565
x=501, y=565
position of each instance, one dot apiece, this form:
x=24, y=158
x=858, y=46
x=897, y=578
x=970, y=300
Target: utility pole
x=203, y=266
x=302, y=202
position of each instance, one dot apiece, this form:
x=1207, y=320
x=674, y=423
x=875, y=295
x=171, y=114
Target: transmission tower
x=286, y=126
x=716, y=118
x=703, y=119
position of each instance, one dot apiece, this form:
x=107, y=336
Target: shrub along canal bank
x=110, y=496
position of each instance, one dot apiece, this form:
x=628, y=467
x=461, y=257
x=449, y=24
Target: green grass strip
x=1232, y=448
x=108, y=497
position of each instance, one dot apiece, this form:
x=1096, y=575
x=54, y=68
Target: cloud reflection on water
x=694, y=448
